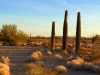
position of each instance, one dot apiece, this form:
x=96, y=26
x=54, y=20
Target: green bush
x=95, y=38
x=10, y=34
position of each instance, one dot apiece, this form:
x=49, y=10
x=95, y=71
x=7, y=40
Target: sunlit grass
x=37, y=68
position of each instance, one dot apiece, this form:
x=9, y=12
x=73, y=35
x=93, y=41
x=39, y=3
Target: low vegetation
x=37, y=68
x=4, y=68
x=10, y=35
x=61, y=69
x=5, y=60
x=96, y=38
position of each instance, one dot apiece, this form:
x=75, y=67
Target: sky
x=35, y=17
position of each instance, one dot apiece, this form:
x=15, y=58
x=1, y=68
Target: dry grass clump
x=59, y=44
x=87, y=66
x=61, y=69
x=32, y=59
x=58, y=56
x=32, y=43
x=46, y=45
x=58, y=48
x=40, y=63
x=48, y=53
x=36, y=69
x=95, y=68
x=39, y=53
x=64, y=52
x=80, y=60
x=76, y=63
x=96, y=55
x=38, y=43
x=23, y=44
x=5, y=60
x=91, y=67
x=92, y=53
x=4, y=69
x=34, y=56
x=84, y=52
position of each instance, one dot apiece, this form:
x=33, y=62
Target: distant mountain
x=72, y=36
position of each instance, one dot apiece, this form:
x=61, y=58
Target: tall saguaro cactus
x=78, y=33
x=53, y=37
x=65, y=30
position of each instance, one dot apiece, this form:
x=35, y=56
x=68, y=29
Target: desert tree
x=9, y=33
x=95, y=38
x=21, y=37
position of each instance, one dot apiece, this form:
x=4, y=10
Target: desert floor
x=19, y=54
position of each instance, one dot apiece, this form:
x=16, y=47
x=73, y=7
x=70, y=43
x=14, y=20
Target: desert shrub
x=58, y=56
x=4, y=69
x=34, y=55
x=64, y=52
x=40, y=63
x=95, y=38
x=10, y=34
x=84, y=52
x=46, y=45
x=30, y=39
x=5, y=60
x=87, y=66
x=20, y=38
x=90, y=66
x=91, y=54
x=37, y=43
x=95, y=53
x=95, y=68
x=79, y=64
x=36, y=69
x=76, y=63
x=32, y=59
x=81, y=60
x=39, y=53
x=32, y=43
x=33, y=69
x=61, y=69
x=48, y=52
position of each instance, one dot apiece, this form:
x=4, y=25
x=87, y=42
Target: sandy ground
x=19, y=54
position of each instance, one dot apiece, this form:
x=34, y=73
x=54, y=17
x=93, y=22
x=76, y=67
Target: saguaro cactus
x=65, y=30
x=30, y=35
x=78, y=33
x=53, y=37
